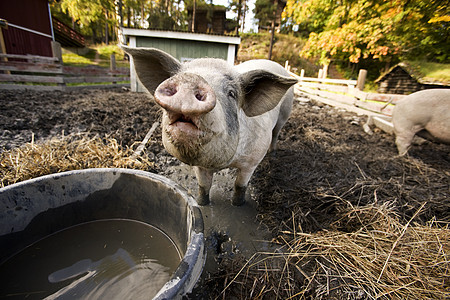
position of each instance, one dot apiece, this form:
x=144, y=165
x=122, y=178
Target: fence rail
x=349, y=94
x=346, y=94
x=48, y=73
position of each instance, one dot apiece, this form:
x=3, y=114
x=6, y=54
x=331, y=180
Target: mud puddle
x=229, y=230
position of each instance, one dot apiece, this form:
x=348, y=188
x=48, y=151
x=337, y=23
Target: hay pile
x=65, y=153
x=380, y=259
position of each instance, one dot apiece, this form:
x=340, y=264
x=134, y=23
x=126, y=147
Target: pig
x=425, y=113
x=217, y=116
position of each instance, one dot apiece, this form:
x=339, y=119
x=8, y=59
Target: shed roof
x=415, y=73
x=214, y=38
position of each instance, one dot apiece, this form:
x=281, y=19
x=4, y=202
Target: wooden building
x=29, y=27
x=184, y=46
x=403, y=79
x=267, y=24
x=208, y=19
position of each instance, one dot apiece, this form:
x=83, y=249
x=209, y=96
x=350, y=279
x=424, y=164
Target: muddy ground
x=325, y=161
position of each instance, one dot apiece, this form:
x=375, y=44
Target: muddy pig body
x=425, y=113
x=215, y=115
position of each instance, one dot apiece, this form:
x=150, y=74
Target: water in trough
x=114, y=258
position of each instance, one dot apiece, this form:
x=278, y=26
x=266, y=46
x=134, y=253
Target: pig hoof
x=203, y=197
x=239, y=195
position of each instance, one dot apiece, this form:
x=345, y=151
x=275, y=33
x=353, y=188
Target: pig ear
x=263, y=91
x=152, y=66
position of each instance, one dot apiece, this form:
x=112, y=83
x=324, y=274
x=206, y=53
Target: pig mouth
x=185, y=124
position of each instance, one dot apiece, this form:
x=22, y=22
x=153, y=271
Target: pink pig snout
x=187, y=94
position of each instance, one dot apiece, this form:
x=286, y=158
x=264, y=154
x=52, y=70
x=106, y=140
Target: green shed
x=184, y=46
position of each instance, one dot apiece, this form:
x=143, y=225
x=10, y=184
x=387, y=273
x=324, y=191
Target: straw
x=66, y=153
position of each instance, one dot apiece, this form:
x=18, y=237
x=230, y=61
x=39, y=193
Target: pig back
x=422, y=106
x=262, y=64
x=426, y=109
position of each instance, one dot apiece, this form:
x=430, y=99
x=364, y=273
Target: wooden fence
x=348, y=94
x=48, y=73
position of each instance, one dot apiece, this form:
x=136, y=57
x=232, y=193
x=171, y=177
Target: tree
x=90, y=13
x=264, y=12
x=360, y=29
x=240, y=8
x=102, y=17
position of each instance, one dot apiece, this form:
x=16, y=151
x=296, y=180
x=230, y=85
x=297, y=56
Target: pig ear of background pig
x=263, y=91
x=152, y=66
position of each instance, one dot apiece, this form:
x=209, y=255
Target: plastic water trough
x=33, y=209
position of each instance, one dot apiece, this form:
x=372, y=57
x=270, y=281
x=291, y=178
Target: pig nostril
x=199, y=96
x=170, y=91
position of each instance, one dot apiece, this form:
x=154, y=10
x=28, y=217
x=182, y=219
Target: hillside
x=430, y=71
x=286, y=47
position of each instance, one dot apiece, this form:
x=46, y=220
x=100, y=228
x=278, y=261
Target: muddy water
x=229, y=229
x=108, y=259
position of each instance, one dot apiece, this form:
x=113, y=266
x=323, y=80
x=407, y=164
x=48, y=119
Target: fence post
x=325, y=72
x=3, y=24
x=302, y=73
x=361, y=79
x=56, y=51
x=112, y=66
x=287, y=66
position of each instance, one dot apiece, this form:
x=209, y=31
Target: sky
x=249, y=18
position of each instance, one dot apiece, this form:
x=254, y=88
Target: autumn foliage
x=360, y=29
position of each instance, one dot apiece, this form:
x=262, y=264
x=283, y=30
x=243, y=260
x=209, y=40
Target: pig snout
x=186, y=94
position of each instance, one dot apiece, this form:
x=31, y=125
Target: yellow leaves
x=380, y=51
x=354, y=58
x=355, y=40
x=367, y=28
x=439, y=19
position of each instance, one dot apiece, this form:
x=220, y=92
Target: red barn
x=29, y=29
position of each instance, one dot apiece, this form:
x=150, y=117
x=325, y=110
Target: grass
x=72, y=59
x=432, y=70
x=105, y=51
x=96, y=55
x=286, y=48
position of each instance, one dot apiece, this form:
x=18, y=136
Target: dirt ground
x=325, y=161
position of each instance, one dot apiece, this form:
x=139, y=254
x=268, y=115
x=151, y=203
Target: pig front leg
x=404, y=135
x=204, y=179
x=403, y=142
x=240, y=185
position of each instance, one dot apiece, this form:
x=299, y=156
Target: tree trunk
x=243, y=15
x=135, y=25
x=194, y=9
x=272, y=35
x=239, y=17
x=113, y=33
x=129, y=17
x=120, y=13
x=106, y=28
x=94, y=32
x=142, y=15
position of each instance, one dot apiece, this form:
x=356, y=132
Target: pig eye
x=232, y=94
